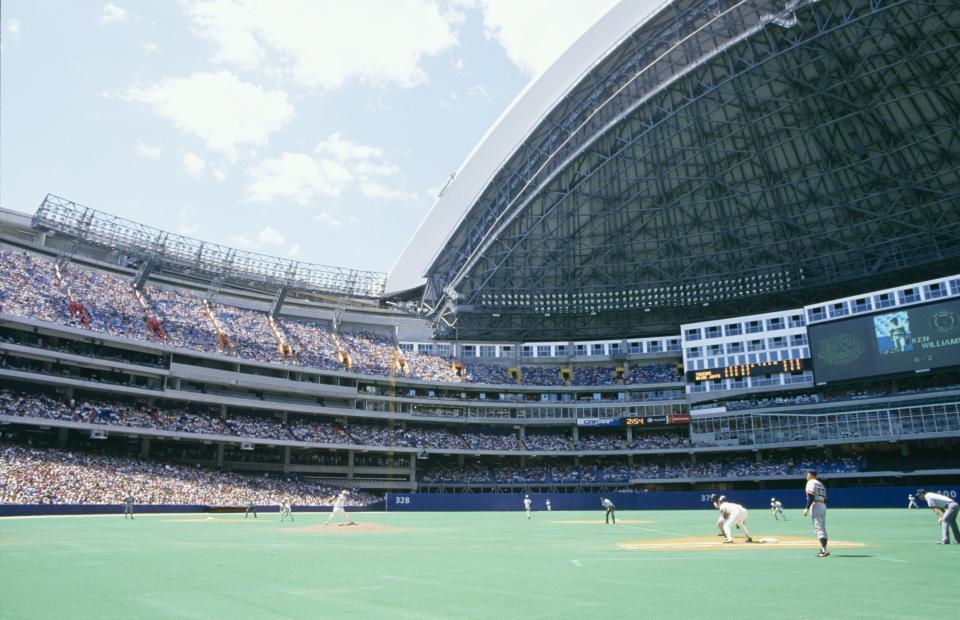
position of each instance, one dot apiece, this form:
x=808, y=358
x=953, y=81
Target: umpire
x=946, y=510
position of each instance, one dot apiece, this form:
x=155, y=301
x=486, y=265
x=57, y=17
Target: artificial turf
x=470, y=565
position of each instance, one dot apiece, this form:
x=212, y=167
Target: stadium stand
x=188, y=322
x=52, y=476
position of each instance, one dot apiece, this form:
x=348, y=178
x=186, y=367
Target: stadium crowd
x=107, y=303
x=51, y=476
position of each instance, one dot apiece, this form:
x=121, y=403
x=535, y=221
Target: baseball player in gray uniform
x=817, y=506
x=128, y=506
x=610, y=511
x=946, y=509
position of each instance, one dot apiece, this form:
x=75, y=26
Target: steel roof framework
x=821, y=148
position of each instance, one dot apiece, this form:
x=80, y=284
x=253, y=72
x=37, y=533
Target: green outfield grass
x=471, y=565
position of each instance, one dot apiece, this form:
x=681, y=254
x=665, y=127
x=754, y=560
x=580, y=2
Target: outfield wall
x=792, y=498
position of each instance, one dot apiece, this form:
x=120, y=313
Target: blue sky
x=305, y=128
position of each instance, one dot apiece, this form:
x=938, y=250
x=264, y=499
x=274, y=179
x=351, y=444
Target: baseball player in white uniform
x=733, y=514
x=717, y=500
x=285, y=511
x=776, y=507
x=946, y=509
x=549, y=507
x=911, y=502
x=338, y=509
x=527, y=505
x=817, y=507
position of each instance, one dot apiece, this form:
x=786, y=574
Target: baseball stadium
x=706, y=265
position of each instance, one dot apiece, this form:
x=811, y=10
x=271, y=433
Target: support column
x=145, y=448
x=62, y=435
x=629, y=434
x=413, y=468
x=460, y=460
x=349, y=464
x=286, y=456
x=220, y=447
x=576, y=433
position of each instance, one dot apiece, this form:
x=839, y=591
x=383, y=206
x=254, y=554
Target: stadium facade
x=708, y=247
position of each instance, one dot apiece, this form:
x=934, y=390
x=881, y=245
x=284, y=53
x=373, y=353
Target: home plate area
x=699, y=543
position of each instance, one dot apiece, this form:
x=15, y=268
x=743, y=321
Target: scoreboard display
x=748, y=370
x=908, y=339
x=656, y=420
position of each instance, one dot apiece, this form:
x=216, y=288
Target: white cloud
x=294, y=251
x=271, y=236
x=534, y=33
x=241, y=242
x=112, y=13
x=383, y=169
x=149, y=152
x=372, y=189
x=150, y=48
x=218, y=108
x=338, y=164
x=325, y=218
x=187, y=231
x=449, y=101
x=13, y=28
x=324, y=43
x=477, y=90
x=194, y=165
x=377, y=105
x=297, y=177
x=345, y=150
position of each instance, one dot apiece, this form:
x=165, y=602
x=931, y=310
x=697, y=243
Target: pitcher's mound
x=336, y=528
x=700, y=543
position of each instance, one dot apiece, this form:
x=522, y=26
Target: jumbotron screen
x=899, y=340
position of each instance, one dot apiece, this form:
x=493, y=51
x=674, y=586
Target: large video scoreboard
x=910, y=339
